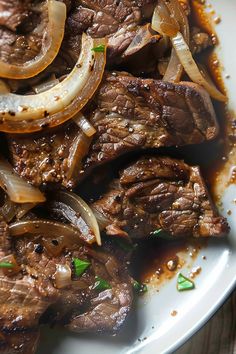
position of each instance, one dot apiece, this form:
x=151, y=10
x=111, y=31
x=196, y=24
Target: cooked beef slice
x=119, y=21
x=42, y=157
x=23, y=300
x=20, y=33
x=30, y=296
x=133, y=113
x=80, y=306
x=129, y=114
x=159, y=193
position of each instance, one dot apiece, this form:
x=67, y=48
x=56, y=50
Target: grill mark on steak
x=160, y=193
x=129, y=114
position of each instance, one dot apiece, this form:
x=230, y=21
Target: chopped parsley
x=184, y=283
x=6, y=265
x=80, y=266
x=101, y=284
x=139, y=288
x=99, y=49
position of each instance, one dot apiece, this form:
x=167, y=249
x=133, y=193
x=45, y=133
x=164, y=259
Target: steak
x=157, y=195
x=20, y=36
x=30, y=296
x=121, y=22
x=129, y=114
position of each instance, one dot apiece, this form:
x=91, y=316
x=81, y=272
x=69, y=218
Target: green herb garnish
x=184, y=283
x=101, y=284
x=80, y=266
x=99, y=49
x=161, y=234
x=140, y=288
x=6, y=265
x=157, y=232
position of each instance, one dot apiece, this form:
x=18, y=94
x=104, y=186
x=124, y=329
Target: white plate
x=152, y=319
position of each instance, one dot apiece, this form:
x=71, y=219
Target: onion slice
x=191, y=68
x=78, y=151
x=50, y=46
x=52, y=229
x=28, y=113
x=10, y=210
x=84, y=125
x=62, y=276
x=18, y=190
x=174, y=69
x=78, y=207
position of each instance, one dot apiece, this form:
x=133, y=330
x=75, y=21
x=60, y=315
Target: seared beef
x=159, y=193
x=20, y=36
x=134, y=113
x=32, y=296
x=42, y=158
x=120, y=21
x=129, y=114
x=23, y=300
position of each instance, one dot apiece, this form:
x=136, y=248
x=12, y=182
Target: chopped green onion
x=157, y=232
x=100, y=48
x=184, y=283
x=101, y=284
x=6, y=265
x=140, y=288
x=161, y=234
x=80, y=266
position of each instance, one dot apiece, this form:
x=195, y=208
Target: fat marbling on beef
x=128, y=114
x=159, y=193
x=30, y=297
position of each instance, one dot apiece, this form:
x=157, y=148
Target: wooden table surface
x=218, y=336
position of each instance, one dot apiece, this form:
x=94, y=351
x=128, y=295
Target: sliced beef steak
x=33, y=291
x=23, y=300
x=133, y=113
x=21, y=37
x=129, y=114
x=122, y=22
x=159, y=193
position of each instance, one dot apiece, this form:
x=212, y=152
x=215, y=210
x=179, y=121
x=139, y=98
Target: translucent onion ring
x=51, y=44
x=29, y=113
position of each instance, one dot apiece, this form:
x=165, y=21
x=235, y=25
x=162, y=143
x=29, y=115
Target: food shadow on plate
x=52, y=339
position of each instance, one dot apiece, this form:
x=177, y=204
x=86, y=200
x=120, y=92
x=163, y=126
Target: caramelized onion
x=191, y=68
x=181, y=54
x=30, y=113
x=4, y=88
x=163, y=14
x=10, y=210
x=62, y=276
x=48, y=228
x=50, y=46
x=18, y=190
x=77, y=211
x=46, y=85
x=78, y=151
x=84, y=125
x=163, y=22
